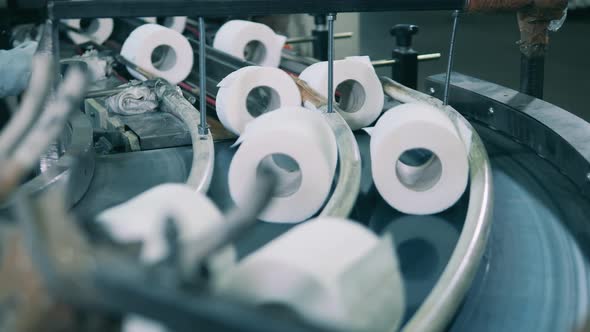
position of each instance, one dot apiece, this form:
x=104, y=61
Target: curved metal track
x=446, y=296
x=78, y=176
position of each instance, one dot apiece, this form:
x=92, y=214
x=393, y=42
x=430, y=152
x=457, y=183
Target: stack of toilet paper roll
x=432, y=184
x=361, y=95
x=176, y=23
x=96, y=30
x=254, y=42
x=173, y=49
x=143, y=219
x=329, y=271
x=237, y=103
x=300, y=147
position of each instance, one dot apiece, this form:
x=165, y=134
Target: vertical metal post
x=55, y=51
x=320, y=41
x=532, y=74
x=203, y=128
x=331, y=17
x=451, y=55
x=405, y=68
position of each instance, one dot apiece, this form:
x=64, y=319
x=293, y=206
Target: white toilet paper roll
x=176, y=23
x=144, y=219
x=330, y=271
x=425, y=244
x=361, y=94
x=300, y=145
x=97, y=30
x=418, y=189
x=269, y=89
x=250, y=41
x=160, y=51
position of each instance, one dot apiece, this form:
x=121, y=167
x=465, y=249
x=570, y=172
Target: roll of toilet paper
x=176, y=23
x=144, y=218
x=97, y=30
x=160, y=51
x=250, y=91
x=424, y=246
x=360, y=93
x=330, y=271
x=300, y=146
x=254, y=42
x=432, y=186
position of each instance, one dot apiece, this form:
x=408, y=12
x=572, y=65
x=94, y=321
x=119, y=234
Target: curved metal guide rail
x=173, y=102
x=349, y=179
x=77, y=175
x=439, y=307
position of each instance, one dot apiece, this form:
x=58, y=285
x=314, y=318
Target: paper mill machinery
x=511, y=254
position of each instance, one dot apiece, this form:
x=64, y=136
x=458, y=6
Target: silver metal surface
x=451, y=56
x=439, y=307
x=75, y=176
x=331, y=17
x=551, y=132
x=173, y=102
x=203, y=130
x=348, y=184
x=349, y=177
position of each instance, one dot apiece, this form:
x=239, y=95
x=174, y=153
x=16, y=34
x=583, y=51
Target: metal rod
x=532, y=74
x=308, y=39
x=331, y=17
x=421, y=57
x=220, y=8
x=451, y=54
x=56, y=51
x=203, y=129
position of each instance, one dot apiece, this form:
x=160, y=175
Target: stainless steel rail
x=439, y=307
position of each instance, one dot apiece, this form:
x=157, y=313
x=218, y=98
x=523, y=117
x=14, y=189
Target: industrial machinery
x=516, y=244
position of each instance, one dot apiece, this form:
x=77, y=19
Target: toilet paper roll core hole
x=163, y=57
x=165, y=21
x=418, y=169
x=287, y=171
x=262, y=99
x=89, y=26
x=350, y=96
x=255, y=52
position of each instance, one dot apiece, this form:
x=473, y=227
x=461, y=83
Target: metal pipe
x=421, y=57
x=451, y=55
x=31, y=10
x=203, y=129
x=174, y=103
x=441, y=304
x=349, y=161
x=48, y=127
x=309, y=39
x=331, y=17
x=532, y=75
